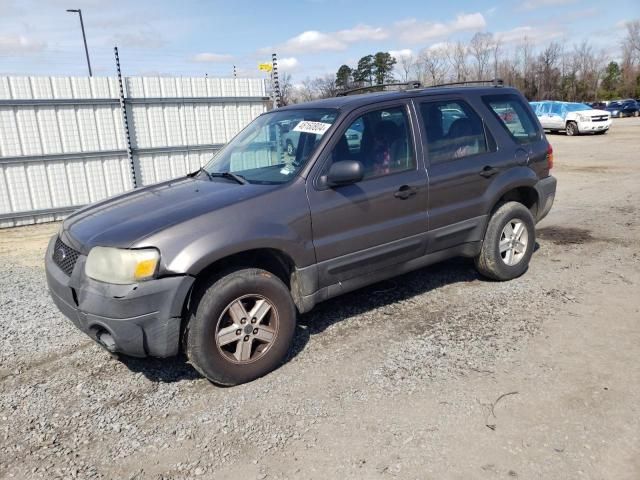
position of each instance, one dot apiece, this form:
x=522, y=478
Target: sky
x=311, y=37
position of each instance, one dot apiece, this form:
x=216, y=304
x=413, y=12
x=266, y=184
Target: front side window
x=520, y=124
x=380, y=140
x=453, y=130
x=274, y=147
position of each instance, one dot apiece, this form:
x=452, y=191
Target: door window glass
x=380, y=140
x=453, y=130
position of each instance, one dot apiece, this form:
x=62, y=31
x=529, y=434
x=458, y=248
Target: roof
x=351, y=102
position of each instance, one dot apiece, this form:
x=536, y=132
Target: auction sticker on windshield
x=319, y=128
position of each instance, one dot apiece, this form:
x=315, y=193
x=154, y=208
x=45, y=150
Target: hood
x=123, y=220
x=593, y=112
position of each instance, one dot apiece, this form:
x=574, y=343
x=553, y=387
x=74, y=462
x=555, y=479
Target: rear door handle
x=405, y=191
x=488, y=171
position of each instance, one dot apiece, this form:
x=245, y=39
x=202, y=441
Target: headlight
x=120, y=266
x=583, y=118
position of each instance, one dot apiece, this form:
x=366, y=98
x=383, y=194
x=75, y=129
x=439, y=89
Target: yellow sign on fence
x=265, y=67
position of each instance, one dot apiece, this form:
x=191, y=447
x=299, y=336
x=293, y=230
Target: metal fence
x=63, y=141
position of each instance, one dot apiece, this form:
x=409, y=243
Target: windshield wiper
x=233, y=176
x=201, y=170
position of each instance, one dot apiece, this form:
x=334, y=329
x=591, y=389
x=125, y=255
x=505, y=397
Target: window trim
x=324, y=156
x=425, y=138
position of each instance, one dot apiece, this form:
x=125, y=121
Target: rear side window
x=453, y=130
x=514, y=117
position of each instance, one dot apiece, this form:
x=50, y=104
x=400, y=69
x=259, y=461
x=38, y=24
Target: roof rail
x=409, y=85
x=496, y=82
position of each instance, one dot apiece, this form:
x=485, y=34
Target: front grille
x=599, y=118
x=64, y=256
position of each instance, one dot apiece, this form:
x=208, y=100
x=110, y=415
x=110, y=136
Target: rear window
x=514, y=117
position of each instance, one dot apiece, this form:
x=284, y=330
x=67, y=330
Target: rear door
x=382, y=220
x=461, y=159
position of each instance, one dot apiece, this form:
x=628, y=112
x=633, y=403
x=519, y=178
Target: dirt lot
x=437, y=374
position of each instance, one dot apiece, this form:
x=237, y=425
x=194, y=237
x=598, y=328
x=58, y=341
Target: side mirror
x=344, y=172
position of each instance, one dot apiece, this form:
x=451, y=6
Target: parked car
x=220, y=262
x=573, y=118
x=598, y=105
x=624, y=108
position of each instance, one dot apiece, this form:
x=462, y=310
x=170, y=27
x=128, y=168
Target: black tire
x=490, y=262
x=572, y=129
x=212, y=301
x=290, y=150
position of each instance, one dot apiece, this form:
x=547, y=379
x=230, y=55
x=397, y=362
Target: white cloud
x=288, y=64
x=317, y=41
x=414, y=31
x=404, y=53
x=211, y=58
x=361, y=33
x=533, y=4
x=519, y=35
x=20, y=44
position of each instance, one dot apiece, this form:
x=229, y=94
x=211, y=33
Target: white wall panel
x=62, y=144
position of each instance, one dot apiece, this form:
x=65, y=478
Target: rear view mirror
x=344, y=172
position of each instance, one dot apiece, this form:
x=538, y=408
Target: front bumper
x=587, y=127
x=142, y=319
x=546, y=189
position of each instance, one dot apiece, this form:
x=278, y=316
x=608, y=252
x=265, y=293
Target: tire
x=290, y=150
x=572, y=129
x=218, y=316
x=493, y=263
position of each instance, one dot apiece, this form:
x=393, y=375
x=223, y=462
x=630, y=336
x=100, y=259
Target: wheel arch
x=272, y=260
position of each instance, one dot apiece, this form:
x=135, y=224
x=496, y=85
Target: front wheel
x=636, y=113
x=572, y=129
x=241, y=327
x=508, y=242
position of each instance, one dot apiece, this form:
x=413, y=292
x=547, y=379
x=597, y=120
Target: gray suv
x=219, y=263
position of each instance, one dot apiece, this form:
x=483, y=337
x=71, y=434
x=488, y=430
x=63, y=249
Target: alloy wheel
x=513, y=242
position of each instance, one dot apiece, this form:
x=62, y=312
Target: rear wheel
x=508, y=243
x=241, y=328
x=572, y=129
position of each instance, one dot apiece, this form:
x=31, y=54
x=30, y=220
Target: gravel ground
x=435, y=374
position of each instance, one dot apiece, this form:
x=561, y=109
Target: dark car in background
x=624, y=108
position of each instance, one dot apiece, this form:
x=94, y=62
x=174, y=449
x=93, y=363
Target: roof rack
x=409, y=85
x=496, y=82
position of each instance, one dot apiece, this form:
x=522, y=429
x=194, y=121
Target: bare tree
x=548, y=71
x=480, y=50
x=495, y=50
x=457, y=56
x=632, y=39
x=407, y=65
x=434, y=65
x=286, y=89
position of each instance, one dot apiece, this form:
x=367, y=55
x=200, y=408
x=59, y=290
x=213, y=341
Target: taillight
x=550, y=156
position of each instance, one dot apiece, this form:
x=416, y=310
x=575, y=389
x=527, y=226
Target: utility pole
x=84, y=37
x=276, y=85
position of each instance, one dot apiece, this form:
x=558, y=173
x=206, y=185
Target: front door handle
x=488, y=171
x=405, y=191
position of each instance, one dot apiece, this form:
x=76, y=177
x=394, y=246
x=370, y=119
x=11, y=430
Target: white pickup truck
x=573, y=118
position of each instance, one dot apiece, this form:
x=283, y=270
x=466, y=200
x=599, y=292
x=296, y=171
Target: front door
x=382, y=220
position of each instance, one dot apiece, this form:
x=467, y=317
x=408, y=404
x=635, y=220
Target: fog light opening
x=105, y=339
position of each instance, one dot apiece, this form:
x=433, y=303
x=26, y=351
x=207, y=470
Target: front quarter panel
x=278, y=220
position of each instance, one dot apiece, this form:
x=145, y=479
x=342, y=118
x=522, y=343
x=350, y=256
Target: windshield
x=275, y=146
x=576, y=107
x=614, y=104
